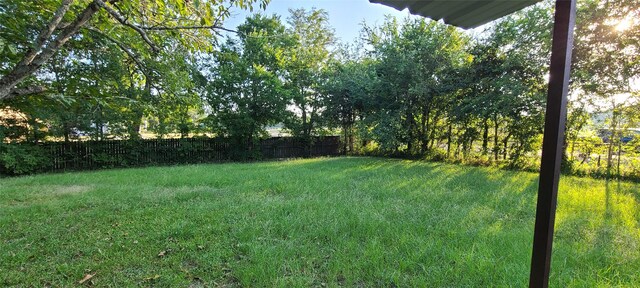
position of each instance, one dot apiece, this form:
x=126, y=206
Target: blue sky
x=345, y=15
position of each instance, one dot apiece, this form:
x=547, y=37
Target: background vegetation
x=107, y=69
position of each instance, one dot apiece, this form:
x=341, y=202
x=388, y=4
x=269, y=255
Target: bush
x=22, y=159
x=480, y=161
x=437, y=155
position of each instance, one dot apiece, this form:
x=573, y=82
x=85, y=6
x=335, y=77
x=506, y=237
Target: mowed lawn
x=362, y=222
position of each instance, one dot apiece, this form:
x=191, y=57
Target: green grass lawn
x=321, y=222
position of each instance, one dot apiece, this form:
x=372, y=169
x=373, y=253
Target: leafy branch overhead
x=40, y=30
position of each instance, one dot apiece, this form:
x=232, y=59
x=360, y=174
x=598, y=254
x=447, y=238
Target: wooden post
x=552, y=143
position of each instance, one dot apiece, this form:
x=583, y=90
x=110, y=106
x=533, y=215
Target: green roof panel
x=461, y=13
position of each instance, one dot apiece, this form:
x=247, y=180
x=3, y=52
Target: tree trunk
x=250, y=143
x=434, y=124
x=65, y=132
x=410, y=121
x=619, y=154
x=505, y=144
x=609, y=155
x=99, y=125
x=426, y=124
x=304, y=120
x=449, y=141
x=573, y=149
x=346, y=139
x=612, y=137
x=485, y=136
x=496, y=148
x=351, y=136
x=139, y=114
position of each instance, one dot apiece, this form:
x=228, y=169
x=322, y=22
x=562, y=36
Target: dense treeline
x=408, y=87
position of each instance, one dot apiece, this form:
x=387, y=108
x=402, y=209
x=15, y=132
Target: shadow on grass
x=597, y=232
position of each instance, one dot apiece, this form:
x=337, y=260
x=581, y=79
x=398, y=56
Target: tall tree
x=347, y=92
x=307, y=60
x=606, y=60
x=414, y=59
x=245, y=89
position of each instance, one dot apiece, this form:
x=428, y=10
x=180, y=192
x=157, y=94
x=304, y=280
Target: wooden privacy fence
x=90, y=155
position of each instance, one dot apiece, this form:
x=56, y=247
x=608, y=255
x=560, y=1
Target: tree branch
x=215, y=25
x=45, y=48
x=22, y=70
x=46, y=33
x=16, y=92
x=122, y=47
x=115, y=14
x=165, y=28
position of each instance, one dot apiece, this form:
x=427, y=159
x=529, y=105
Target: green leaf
x=13, y=49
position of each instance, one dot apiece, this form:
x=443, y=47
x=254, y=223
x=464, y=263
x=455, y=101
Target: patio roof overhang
x=462, y=13
x=472, y=13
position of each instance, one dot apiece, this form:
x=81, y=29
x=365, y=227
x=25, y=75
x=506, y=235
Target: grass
x=321, y=222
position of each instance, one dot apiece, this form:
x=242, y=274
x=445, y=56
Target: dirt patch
x=66, y=189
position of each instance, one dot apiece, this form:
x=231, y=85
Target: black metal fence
x=89, y=155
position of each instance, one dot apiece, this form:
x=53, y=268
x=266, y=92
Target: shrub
x=437, y=155
x=482, y=160
x=19, y=159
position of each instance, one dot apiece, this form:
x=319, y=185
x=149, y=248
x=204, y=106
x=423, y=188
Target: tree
x=245, y=89
x=605, y=60
x=414, y=61
x=99, y=91
x=347, y=92
x=506, y=84
x=148, y=19
x=305, y=64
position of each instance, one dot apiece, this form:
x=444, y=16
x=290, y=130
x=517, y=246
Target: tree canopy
x=128, y=69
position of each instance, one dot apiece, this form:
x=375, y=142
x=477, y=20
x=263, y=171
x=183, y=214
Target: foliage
x=347, y=94
x=306, y=61
x=22, y=159
x=413, y=61
x=409, y=87
x=606, y=49
x=244, y=88
x=147, y=27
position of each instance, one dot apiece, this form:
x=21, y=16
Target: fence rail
x=91, y=155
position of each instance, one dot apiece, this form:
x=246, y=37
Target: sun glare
x=623, y=25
